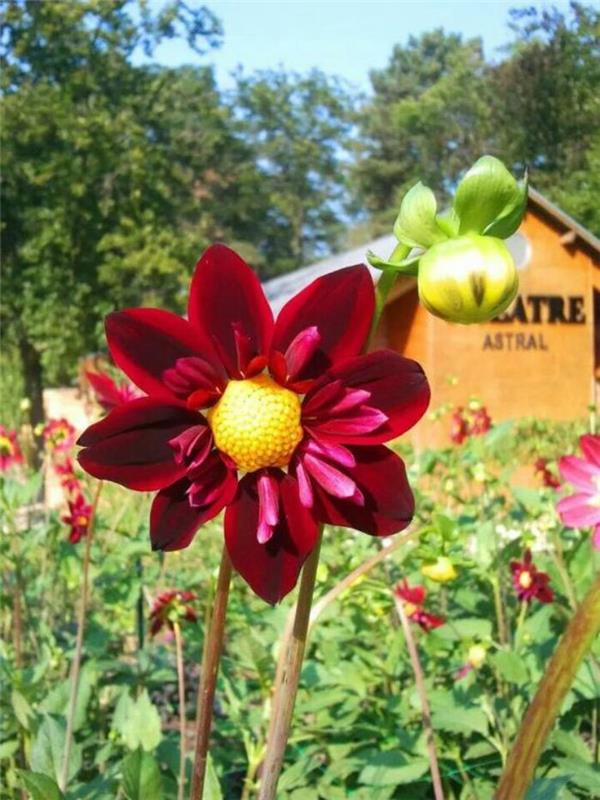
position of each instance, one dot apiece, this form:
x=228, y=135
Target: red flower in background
x=10, y=452
x=281, y=423
x=582, y=509
x=169, y=607
x=109, y=393
x=79, y=516
x=468, y=422
x=548, y=478
x=66, y=472
x=59, y=435
x=413, y=598
x=529, y=582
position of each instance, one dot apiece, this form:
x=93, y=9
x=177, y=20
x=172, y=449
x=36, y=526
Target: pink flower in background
x=78, y=518
x=413, y=598
x=458, y=427
x=170, y=607
x=548, y=478
x=109, y=393
x=481, y=422
x=529, y=582
x=10, y=452
x=59, y=435
x=582, y=509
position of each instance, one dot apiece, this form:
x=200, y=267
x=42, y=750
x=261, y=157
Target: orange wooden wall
x=551, y=380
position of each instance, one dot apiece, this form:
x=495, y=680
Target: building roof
x=280, y=289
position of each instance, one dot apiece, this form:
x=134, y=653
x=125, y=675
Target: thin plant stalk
x=182, y=720
x=208, y=679
x=283, y=705
x=294, y=643
x=541, y=714
x=438, y=791
x=76, y=666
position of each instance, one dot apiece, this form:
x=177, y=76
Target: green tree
x=297, y=127
x=427, y=118
x=98, y=200
x=547, y=111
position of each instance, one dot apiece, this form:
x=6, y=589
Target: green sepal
x=416, y=224
x=506, y=225
x=448, y=222
x=398, y=262
x=487, y=196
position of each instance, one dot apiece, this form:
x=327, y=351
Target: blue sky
x=342, y=37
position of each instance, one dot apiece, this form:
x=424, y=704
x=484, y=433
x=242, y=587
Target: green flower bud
x=471, y=278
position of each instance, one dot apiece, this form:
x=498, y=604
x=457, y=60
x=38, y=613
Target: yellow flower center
x=82, y=520
x=6, y=446
x=409, y=608
x=257, y=423
x=525, y=579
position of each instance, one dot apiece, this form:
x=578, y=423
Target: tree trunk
x=34, y=391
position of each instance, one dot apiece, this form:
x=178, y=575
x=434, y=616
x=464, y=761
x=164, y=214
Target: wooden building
x=541, y=358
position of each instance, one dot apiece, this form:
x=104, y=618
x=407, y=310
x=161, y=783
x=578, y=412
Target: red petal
x=174, y=522
x=146, y=342
x=131, y=445
x=388, y=501
x=397, y=387
x=271, y=569
x=340, y=305
x=227, y=304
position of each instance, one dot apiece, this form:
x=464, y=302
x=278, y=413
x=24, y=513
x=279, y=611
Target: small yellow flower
x=476, y=655
x=440, y=571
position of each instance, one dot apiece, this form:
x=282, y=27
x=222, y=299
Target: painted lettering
x=536, y=309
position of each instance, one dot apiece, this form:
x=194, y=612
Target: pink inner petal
x=331, y=450
x=323, y=397
x=301, y=349
x=352, y=399
x=365, y=420
x=268, y=500
x=331, y=479
x=305, y=491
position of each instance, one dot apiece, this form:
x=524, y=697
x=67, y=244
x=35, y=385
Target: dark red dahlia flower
x=66, y=472
x=78, y=518
x=413, y=598
x=10, y=452
x=108, y=392
x=529, y=582
x=170, y=607
x=548, y=478
x=281, y=423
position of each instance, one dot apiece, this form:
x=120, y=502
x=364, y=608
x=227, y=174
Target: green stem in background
x=438, y=791
x=541, y=714
x=502, y=632
x=182, y=721
x=520, y=623
x=283, y=703
x=208, y=680
x=76, y=666
x=559, y=560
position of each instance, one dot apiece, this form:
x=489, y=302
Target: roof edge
x=561, y=216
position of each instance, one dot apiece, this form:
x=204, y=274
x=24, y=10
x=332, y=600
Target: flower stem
x=182, y=726
x=438, y=791
x=76, y=666
x=208, y=678
x=520, y=623
x=541, y=714
x=283, y=704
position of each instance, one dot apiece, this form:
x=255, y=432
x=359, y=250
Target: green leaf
x=137, y=721
x=8, y=748
x=22, y=709
x=570, y=744
x=487, y=195
x=584, y=776
x=510, y=665
x=212, y=787
x=405, y=266
x=392, y=768
x=48, y=748
x=461, y=720
x=141, y=777
x=57, y=701
x=416, y=224
x=547, y=788
x=40, y=786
